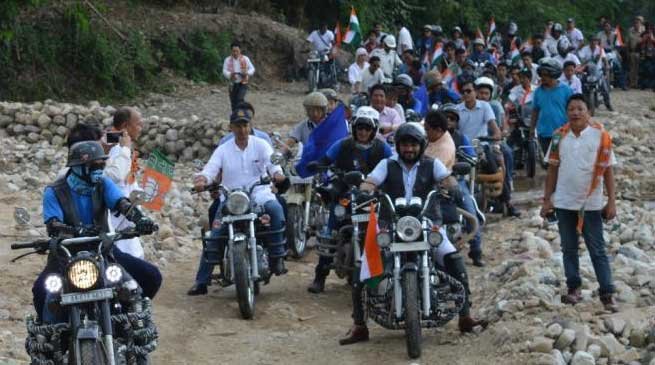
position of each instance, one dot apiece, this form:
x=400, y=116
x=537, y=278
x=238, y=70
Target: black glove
x=283, y=186
x=145, y=226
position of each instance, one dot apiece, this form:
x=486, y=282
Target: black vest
x=71, y=218
x=349, y=153
x=424, y=184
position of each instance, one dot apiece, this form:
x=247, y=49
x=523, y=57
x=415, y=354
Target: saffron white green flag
x=353, y=33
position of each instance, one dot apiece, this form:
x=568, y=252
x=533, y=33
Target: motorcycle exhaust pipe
x=425, y=272
x=397, y=289
x=253, y=252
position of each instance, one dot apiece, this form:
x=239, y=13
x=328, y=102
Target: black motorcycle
x=108, y=320
x=593, y=84
x=321, y=71
x=525, y=149
x=240, y=254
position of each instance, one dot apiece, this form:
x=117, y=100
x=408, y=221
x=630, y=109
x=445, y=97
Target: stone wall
x=180, y=140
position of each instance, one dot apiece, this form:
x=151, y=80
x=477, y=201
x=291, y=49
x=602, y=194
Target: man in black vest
x=360, y=152
x=77, y=204
x=410, y=174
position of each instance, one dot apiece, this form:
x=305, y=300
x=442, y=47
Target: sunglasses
x=467, y=91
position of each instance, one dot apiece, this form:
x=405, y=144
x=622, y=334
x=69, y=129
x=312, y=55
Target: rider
x=438, y=93
x=405, y=88
x=594, y=53
x=359, y=152
x=389, y=59
x=316, y=105
x=389, y=117
x=321, y=39
x=479, y=55
x=243, y=161
x=407, y=174
x=332, y=97
x=564, y=52
x=77, y=205
x=254, y=131
x=570, y=78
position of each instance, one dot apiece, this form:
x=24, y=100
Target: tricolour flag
x=372, y=268
x=438, y=51
x=353, y=33
x=337, y=35
x=619, y=37
x=449, y=78
x=157, y=180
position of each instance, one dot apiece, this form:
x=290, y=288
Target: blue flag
x=421, y=94
x=332, y=129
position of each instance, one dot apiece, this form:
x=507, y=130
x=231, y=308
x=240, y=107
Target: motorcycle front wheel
x=295, y=231
x=412, y=314
x=91, y=353
x=312, y=79
x=245, y=286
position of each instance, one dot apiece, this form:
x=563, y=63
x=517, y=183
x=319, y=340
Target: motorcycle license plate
x=92, y=296
x=312, y=60
x=409, y=246
x=358, y=218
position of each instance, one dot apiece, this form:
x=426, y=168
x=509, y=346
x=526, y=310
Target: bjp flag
x=156, y=181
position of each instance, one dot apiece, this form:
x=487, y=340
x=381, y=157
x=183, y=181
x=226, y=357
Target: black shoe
x=513, y=212
x=318, y=285
x=197, y=289
x=477, y=259
x=277, y=266
x=356, y=334
x=609, y=107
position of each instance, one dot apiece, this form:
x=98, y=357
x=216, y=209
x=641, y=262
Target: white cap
x=360, y=51
x=390, y=41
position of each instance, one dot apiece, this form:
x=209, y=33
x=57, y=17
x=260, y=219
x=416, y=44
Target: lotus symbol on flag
x=151, y=189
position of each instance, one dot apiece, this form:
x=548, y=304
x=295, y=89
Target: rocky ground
x=519, y=290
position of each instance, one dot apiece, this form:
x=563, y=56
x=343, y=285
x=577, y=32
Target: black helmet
x=550, y=67
x=404, y=80
x=450, y=108
x=84, y=152
x=413, y=131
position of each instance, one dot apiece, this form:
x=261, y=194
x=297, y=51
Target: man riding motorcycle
x=316, y=106
x=405, y=88
x=243, y=161
x=77, y=205
x=405, y=175
x=359, y=152
x=594, y=53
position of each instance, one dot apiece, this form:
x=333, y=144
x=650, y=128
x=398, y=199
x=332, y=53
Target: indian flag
x=353, y=33
x=372, y=267
x=449, y=78
x=438, y=51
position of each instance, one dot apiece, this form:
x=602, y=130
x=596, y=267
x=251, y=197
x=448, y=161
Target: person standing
x=405, y=41
x=634, y=37
x=580, y=161
x=356, y=69
x=574, y=34
x=122, y=168
x=238, y=69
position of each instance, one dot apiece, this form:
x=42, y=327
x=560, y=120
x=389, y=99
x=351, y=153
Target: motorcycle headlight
x=435, y=238
x=238, y=203
x=384, y=239
x=83, y=274
x=339, y=211
x=113, y=274
x=408, y=228
x=53, y=283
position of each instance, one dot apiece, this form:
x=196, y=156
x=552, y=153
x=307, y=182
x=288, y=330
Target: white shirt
x=576, y=37
x=574, y=83
x=322, y=42
x=576, y=169
x=236, y=64
x=474, y=122
x=369, y=79
x=405, y=41
x=388, y=61
x=569, y=57
x=355, y=75
x=118, y=169
x=380, y=172
x=586, y=54
x=243, y=168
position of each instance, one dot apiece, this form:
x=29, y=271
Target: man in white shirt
x=389, y=59
x=237, y=69
x=122, y=168
x=243, y=161
x=580, y=161
x=569, y=77
x=574, y=34
x=321, y=39
x=372, y=75
x=476, y=118
x=356, y=69
x=405, y=41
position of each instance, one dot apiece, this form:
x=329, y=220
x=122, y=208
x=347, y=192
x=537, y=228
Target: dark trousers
x=544, y=143
x=592, y=231
x=237, y=94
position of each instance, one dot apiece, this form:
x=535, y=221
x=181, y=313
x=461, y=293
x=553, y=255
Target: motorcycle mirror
x=353, y=178
x=277, y=158
x=137, y=196
x=461, y=168
x=21, y=216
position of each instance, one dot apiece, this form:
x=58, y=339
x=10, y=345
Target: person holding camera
x=580, y=161
x=122, y=167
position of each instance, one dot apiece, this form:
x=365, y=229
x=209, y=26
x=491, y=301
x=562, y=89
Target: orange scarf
x=244, y=68
x=134, y=168
x=602, y=160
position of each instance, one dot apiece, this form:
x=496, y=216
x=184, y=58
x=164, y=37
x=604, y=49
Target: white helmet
x=366, y=116
x=390, y=41
x=485, y=81
x=367, y=112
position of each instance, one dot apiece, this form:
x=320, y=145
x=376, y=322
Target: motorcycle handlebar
x=20, y=246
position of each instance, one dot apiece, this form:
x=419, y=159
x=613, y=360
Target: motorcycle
x=321, y=71
x=454, y=217
x=592, y=85
x=412, y=293
x=243, y=261
x=489, y=173
x=525, y=149
x=108, y=320
x=305, y=215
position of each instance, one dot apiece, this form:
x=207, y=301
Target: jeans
x=275, y=245
x=508, y=155
x=592, y=232
x=144, y=273
x=237, y=94
x=468, y=204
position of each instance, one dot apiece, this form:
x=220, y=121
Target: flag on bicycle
x=156, y=181
x=372, y=267
x=332, y=129
x=619, y=37
x=353, y=32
